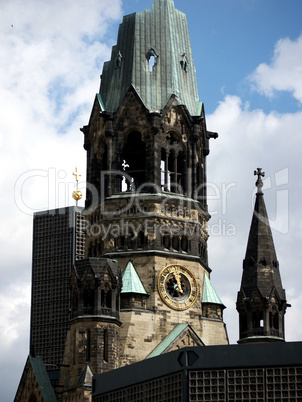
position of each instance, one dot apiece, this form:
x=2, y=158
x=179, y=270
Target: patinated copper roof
x=153, y=54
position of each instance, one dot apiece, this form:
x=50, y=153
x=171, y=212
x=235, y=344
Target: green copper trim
x=168, y=340
x=153, y=55
x=209, y=294
x=131, y=281
x=42, y=378
x=99, y=98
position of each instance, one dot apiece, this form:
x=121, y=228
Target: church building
x=143, y=286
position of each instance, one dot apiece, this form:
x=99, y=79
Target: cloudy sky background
x=248, y=57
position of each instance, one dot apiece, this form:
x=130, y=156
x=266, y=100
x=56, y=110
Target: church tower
x=93, y=338
x=261, y=301
x=147, y=144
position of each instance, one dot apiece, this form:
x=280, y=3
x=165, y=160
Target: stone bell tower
x=93, y=338
x=147, y=144
x=261, y=301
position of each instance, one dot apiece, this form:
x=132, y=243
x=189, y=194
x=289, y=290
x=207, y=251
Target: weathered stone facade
x=146, y=203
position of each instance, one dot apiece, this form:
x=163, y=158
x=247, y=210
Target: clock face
x=177, y=287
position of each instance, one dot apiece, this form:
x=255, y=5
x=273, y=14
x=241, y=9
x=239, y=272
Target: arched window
x=164, y=173
x=257, y=319
x=131, y=240
x=175, y=243
x=109, y=299
x=184, y=244
x=172, y=164
x=172, y=168
x=121, y=242
x=88, y=299
x=166, y=242
x=151, y=57
x=141, y=239
x=134, y=161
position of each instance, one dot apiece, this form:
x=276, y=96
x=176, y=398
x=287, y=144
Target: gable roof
x=166, y=345
x=131, y=281
x=37, y=366
x=42, y=378
x=98, y=266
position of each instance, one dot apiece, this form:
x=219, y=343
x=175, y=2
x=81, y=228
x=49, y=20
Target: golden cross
x=76, y=174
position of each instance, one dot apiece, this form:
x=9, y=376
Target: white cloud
x=51, y=60
x=284, y=72
x=249, y=139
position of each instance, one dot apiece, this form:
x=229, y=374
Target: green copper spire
x=153, y=55
x=209, y=294
x=131, y=281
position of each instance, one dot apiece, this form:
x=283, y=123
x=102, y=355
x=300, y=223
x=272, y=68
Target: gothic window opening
x=201, y=185
x=131, y=240
x=151, y=63
x=141, y=240
x=164, y=171
x=88, y=346
x=274, y=320
x=105, y=349
x=180, y=173
x=202, y=250
x=121, y=242
x=134, y=161
x=184, y=244
x=184, y=62
x=109, y=299
x=118, y=60
x=103, y=298
x=257, y=319
x=88, y=300
x=175, y=243
x=166, y=242
x=151, y=57
x=172, y=165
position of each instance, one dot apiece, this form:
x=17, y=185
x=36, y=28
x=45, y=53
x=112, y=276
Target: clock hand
x=177, y=278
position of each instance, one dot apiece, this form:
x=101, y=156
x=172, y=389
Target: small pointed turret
x=261, y=301
x=133, y=293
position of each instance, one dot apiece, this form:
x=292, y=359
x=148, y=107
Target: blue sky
x=248, y=58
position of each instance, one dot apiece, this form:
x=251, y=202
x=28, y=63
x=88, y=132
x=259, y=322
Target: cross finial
x=77, y=194
x=259, y=182
x=76, y=174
